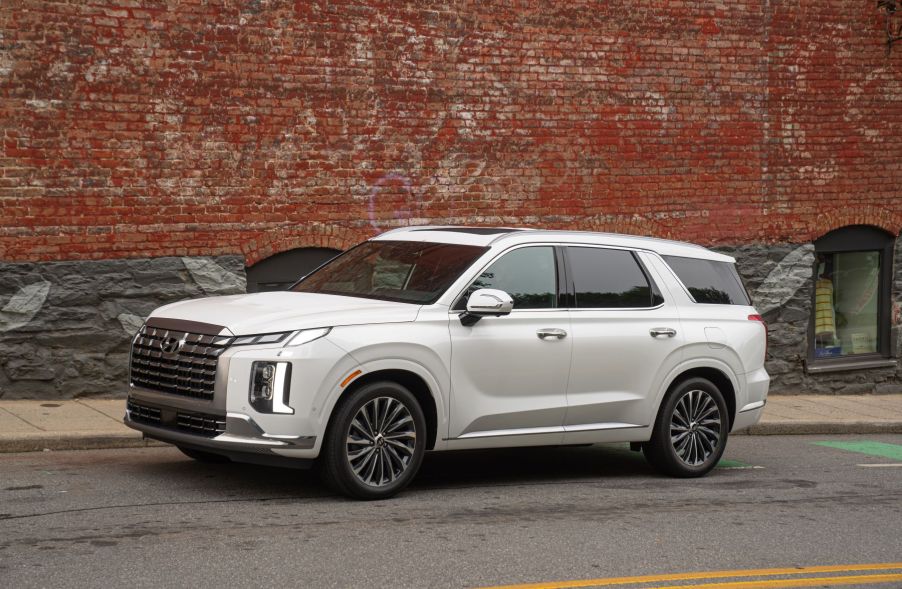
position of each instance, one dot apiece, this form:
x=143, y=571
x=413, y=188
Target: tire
x=690, y=433
x=363, y=456
x=202, y=456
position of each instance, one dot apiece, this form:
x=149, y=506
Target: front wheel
x=375, y=443
x=691, y=429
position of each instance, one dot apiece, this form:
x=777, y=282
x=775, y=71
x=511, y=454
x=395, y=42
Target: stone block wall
x=66, y=327
x=780, y=280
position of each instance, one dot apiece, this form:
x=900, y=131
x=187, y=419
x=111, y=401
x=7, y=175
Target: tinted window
x=606, y=278
x=404, y=271
x=709, y=281
x=528, y=275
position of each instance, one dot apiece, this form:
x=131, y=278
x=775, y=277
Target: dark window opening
x=851, y=312
x=281, y=270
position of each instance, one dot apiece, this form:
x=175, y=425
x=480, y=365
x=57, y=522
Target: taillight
x=760, y=319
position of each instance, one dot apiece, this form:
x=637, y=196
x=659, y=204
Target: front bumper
x=240, y=439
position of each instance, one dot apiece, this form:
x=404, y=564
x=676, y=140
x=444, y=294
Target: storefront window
x=851, y=300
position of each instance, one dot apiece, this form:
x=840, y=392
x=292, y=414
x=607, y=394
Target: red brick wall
x=134, y=128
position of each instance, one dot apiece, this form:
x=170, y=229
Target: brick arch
x=839, y=217
x=628, y=224
x=282, y=239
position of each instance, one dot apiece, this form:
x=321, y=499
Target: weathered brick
x=231, y=131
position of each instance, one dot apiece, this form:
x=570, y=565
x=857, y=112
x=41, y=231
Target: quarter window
x=710, y=282
x=608, y=278
x=528, y=275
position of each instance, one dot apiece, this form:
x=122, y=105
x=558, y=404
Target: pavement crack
x=7, y=517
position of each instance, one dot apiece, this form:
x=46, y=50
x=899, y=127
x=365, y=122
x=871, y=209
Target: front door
x=509, y=374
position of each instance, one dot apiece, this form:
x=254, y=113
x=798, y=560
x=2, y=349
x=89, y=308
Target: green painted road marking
x=724, y=463
x=624, y=450
x=892, y=451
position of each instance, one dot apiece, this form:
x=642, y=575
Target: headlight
x=266, y=338
x=308, y=335
x=271, y=387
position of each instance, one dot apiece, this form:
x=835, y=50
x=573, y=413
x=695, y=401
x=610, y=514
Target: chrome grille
x=190, y=371
x=143, y=413
x=202, y=423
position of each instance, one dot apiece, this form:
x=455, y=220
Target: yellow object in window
x=824, y=316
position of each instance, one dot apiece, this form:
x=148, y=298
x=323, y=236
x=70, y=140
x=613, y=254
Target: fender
x=699, y=363
x=435, y=390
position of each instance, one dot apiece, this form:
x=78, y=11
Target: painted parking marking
x=623, y=449
x=726, y=464
x=881, y=449
x=744, y=579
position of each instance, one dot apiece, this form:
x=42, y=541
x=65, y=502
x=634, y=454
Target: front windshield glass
x=404, y=271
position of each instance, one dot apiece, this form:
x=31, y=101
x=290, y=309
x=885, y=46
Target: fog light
x=270, y=387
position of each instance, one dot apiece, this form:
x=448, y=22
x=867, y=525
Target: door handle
x=547, y=333
x=656, y=331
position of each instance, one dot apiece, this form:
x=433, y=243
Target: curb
x=76, y=441
x=800, y=428
x=114, y=440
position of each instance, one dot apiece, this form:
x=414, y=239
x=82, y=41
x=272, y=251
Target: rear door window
x=609, y=279
x=710, y=282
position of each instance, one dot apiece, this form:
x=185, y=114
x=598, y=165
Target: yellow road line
x=784, y=583
x=697, y=576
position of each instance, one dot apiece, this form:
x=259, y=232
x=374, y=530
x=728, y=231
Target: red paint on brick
x=243, y=127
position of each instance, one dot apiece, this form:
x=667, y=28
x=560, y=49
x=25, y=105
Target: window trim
x=857, y=239
x=571, y=284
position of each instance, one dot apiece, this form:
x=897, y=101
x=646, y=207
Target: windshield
x=404, y=271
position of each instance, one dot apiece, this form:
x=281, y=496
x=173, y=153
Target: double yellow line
x=889, y=572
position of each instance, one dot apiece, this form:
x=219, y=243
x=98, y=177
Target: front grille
x=143, y=413
x=203, y=424
x=189, y=371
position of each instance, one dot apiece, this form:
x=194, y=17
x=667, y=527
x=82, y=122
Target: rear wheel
x=202, y=456
x=375, y=443
x=691, y=429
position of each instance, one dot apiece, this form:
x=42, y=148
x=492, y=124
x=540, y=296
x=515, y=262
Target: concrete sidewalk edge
x=75, y=441
x=113, y=440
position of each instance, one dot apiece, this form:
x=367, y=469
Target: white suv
x=446, y=338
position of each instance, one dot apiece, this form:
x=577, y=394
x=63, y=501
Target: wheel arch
x=416, y=383
x=722, y=377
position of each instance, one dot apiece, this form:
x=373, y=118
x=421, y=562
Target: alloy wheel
x=695, y=427
x=381, y=441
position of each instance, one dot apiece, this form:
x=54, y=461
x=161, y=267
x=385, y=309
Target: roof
x=508, y=236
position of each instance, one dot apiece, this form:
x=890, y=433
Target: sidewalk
x=27, y=426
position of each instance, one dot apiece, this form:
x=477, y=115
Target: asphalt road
x=151, y=517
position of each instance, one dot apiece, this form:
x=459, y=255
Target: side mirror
x=486, y=302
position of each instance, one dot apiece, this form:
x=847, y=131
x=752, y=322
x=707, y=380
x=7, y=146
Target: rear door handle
x=550, y=332
x=656, y=331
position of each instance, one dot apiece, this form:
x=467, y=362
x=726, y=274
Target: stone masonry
x=66, y=327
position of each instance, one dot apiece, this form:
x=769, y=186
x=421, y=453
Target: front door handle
x=656, y=331
x=549, y=332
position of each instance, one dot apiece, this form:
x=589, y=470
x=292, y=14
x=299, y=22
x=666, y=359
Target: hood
x=269, y=312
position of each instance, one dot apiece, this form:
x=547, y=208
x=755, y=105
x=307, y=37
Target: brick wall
x=147, y=129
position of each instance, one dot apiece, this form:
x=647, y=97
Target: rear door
x=626, y=334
